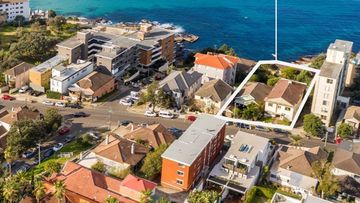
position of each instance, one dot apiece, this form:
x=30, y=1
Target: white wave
x=175, y=28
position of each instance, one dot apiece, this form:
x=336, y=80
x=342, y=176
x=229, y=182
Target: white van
x=166, y=114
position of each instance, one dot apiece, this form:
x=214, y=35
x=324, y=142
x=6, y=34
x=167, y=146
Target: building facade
x=13, y=8
x=18, y=76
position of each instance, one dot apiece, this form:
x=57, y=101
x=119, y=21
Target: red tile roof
x=137, y=184
x=219, y=61
x=288, y=90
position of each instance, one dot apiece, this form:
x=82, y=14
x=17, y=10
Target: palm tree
x=60, y=189
x=11, y=190
x=39, y=191
x=296, y=140
x=9, y=155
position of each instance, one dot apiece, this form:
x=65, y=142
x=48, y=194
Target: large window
x=329, y=81
x=180, y=173
x=179, y=182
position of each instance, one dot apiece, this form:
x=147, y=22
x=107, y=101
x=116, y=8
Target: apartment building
x=64, y=76
x=240, y=168
x=13, y=8
x=331, y=81
x=118, y=49
x=190, y=157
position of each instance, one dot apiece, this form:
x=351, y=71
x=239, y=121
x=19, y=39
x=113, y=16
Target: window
x=324, y=110
x=325, y=103
x=323, y=117
x=287, y=108
x=181, y=165
x=179, y=182
x=270, y=104
x=180, y=173
x=329, y=81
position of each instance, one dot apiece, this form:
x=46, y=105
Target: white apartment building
x=64, y=76
x=14, y=8
x=331, y=81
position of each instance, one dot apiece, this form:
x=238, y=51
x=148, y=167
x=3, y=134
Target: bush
x=119, y=173
x=250, y=195
x=99, y=166
x=345, y=130
x=53, y=95
x=313, y=125
x=52, y=167
x=152, y=163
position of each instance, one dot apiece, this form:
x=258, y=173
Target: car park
x=261, y=128
x=69, y=138
x=127, y=101
x=80, y=114
x=150, y=113
x=48, y=103
x=7, y=97
x=63, y=130
x=57, y=147
x=60, y=104
x=166, y=114
x=29, y=154
x=24, y=89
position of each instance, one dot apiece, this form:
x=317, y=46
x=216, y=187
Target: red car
x=7, y=97
x=191, y=118
x=63, y=130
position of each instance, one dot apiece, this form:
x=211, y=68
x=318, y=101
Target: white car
x=60, y=104
x=166, y=114
x=23, y=89
x=126, y=101
x=134, y=95
x=57, y=147
x=48, y=103
x=150, y=114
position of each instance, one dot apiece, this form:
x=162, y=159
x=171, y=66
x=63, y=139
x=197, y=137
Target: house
x=352, y=117
x=13, y=8
x=219, y=66
x=92, y=87
x=154, y=135
x=88, y=186
x=190, y=157
x=181, y=85
x=240, y=168
x=64, y=76
x=117, y=154
x=17, y=114
x=253, y=92
x=213, y=94
x=284, y=99
x=331, y=81
x=292, y=168
x=18, y=76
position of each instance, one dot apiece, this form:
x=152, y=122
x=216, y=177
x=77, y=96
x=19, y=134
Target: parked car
x=60, y=104
x=126, y=101
x=63, y=130
x=7, y=97
x=135, y=85
x=94, y=135
x=80, y=114
x=166, y=114
x=29, y=154
x=150, y=114
x=23, y=168
x=24, y=89
x=261, y=128
x=48, y=103
x=125, y=122
x=243, y=125
x=47, y=153
x=69, y=138
x=35, y=93
x=228, y=123
x=57, y=147
x=134, y=95
x=191, y=118
x=74, y=106
x=281, y=131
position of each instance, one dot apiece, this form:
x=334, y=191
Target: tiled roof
x=179, y=81
x=19, y=69
x=20, y=113
x=137, y=184
x=154, y=135
x=219, y=61
x=94, y=81
x=257, y=90
x=292, y=92
x=353, y=112
x=347, y=160
x=119, y=149
x=217, y=90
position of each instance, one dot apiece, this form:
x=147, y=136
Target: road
x=113, y=112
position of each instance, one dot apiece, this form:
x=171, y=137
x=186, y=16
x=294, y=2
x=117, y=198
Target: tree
x=207, y=196
x=345, y=130
x=111, y=199
x=52, y=119
x=146, y=196
x=51, y=14
x=152, y=163
x=39, y=191
x=165, y=100
x=304, y=76
x=296, y=140
x=57, y=22
x=272, y=81
x=60, y=189
x=52, y=166
x=289, y=73
x=162, y=200
x=313, y=125
x=252, y=111
x=328, y=184
x=11, y=190
x=19, y=20
x=10, y=155
x=318, y=61
x=225, y=49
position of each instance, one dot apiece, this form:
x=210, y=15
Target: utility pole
x=39, y=154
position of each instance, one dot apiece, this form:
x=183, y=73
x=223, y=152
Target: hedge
x=53, y=95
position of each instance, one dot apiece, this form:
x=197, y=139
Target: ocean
x=306, y=27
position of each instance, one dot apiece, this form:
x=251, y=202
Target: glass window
x=287, y=108
x=329, y=81
x=180, y=173
x=325, y=103
x=179, y=182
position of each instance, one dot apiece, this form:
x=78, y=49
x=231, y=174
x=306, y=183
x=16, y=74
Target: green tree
x=236, y=112
x=318, y=61
x=162, y=200
x=313, y=125
x=252, y=111
x=11, y=190
x=99, y=166
x=52, y=166
x=165, y=100
x=272, y=81
x=207, y=196
x=304, y=76
x=345, y=130
x=146, y=196
x=39, y=191
x=225, y=49
x=19, y=20
x=57, y=22
x=10, y=155
x=111, y=199
x=152, y=163
x=51, y=14
x=328, y=184
x=52, y=119
x=60, y=189
x=289, y=73
x=296, y=140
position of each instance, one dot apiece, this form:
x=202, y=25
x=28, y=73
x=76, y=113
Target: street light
x=328, y=130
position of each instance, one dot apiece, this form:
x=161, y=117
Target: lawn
x=265, y=194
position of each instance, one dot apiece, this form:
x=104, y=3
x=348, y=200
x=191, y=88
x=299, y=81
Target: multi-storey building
x=191, y=156
x=64, y=76
x=13, y=8
x=331, y=81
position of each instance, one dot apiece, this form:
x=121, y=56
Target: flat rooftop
x=341, y=45
x=70, y=43
x=70, y=70
x=331, y=70
x=188, y=147
x=153, y=37
x=49, y=64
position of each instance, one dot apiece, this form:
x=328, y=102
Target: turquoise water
x=305, y=26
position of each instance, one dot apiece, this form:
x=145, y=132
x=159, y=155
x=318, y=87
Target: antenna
x=276, y=30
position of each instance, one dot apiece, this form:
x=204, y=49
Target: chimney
x=81, y=156
x=133, y=148
x=107, y=140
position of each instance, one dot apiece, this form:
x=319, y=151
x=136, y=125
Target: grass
x=265, y=193
x=106, y=96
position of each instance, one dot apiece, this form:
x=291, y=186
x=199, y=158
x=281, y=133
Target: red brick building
x=192, y=155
